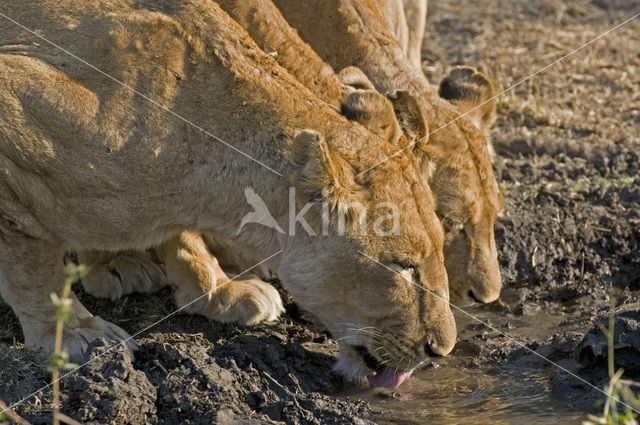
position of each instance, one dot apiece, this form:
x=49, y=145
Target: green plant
x=60, y=359
x=622, y=401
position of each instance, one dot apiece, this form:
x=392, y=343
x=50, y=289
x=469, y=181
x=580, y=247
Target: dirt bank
x=207, y=373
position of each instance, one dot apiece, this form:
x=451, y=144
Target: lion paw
x=124, y=274
x=77, y=335
x=246, y=302
x=76, y=340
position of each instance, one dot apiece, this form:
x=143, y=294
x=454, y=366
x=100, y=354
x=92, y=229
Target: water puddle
x=452, y=392
x=454, y=396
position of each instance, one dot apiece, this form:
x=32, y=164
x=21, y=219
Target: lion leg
x=203, y=288
x=30, y=270
x=232, y=259
x=416, y=14
x=114, y=274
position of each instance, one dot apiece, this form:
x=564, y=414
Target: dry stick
x=610, y=339
x=66, y=419
x=13, y=415
x=611, y=395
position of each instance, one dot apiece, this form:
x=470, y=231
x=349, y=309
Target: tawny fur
x=392, y=14
x=415, y=12
x=406, y=21
x=353, y=33
x=87, y=164
x=473, y=94
x=466, y=188
x=463, y=197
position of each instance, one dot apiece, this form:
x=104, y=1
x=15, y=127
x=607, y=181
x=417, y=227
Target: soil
x=568, y=164
x=206, y=373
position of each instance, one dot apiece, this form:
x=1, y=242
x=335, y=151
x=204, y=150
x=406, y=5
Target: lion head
x=382, y=287
x=457, y=169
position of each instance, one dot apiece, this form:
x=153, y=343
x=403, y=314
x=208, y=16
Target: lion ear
x=410, y=116
x=352, y=78
x=473, y=94
x=373, y=111
x=413, y=122
x=322, y=174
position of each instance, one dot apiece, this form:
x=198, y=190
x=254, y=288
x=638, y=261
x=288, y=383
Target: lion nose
x=487, y=291
x=439, y=341
x=433, y=348
x=428, y=350
x=484, y=297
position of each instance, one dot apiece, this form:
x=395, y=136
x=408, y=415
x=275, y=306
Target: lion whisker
x=353, y=326
x=359, y=339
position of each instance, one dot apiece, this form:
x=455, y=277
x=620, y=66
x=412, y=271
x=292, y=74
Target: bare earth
x=568, y=144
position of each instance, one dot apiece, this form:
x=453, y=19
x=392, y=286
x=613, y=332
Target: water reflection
x=452, y=395
x=454, y=391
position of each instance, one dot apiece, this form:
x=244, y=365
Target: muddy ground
x=568, y=144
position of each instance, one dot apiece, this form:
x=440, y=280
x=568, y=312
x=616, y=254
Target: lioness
x=87, y=163
x=464, y=200
x=352, y=33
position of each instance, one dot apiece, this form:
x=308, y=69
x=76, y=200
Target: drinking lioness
x=96, y=157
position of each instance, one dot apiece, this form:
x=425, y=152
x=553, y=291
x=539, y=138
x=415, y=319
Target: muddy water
x=454, y=389
x=453, y=395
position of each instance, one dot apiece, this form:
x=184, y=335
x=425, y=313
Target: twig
x=66, y=419
x=12, y=415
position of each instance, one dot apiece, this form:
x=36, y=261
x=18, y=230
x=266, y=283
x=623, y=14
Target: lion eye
x=451, y=223
x=455, y=224
x=408, y=272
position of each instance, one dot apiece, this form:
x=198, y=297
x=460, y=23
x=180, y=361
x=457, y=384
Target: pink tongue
x=388, y=377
